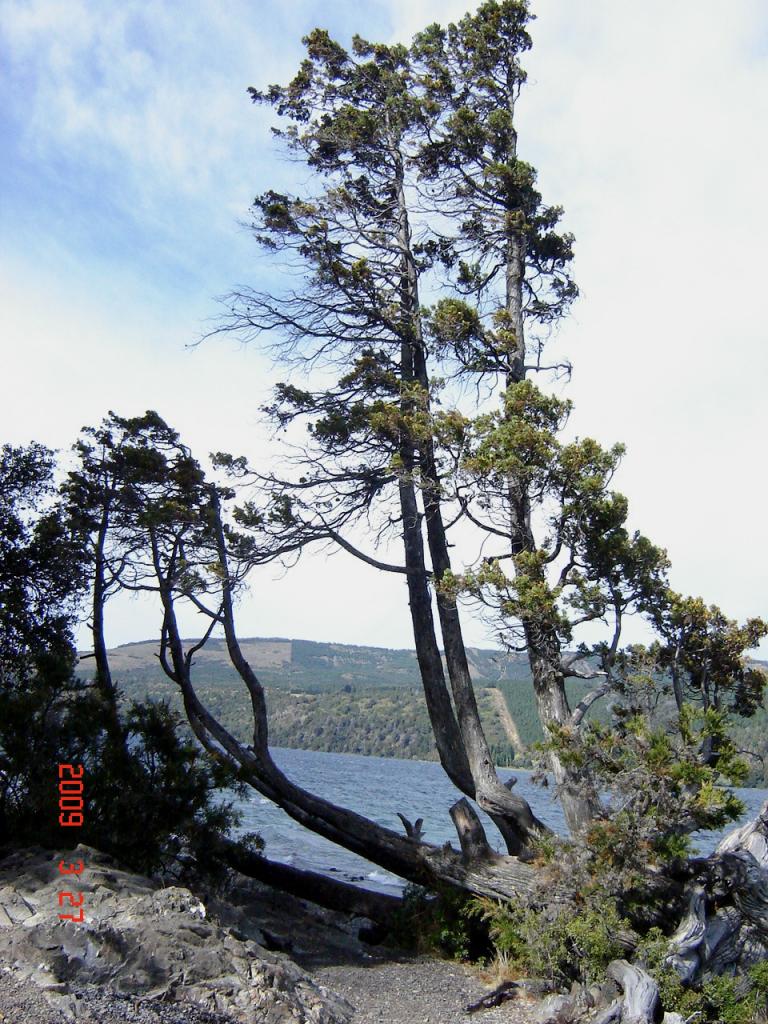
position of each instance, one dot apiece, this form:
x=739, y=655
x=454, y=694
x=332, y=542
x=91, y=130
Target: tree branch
x=369, y=559
x=586, y=703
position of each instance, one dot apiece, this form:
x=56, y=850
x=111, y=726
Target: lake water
x=380, y=787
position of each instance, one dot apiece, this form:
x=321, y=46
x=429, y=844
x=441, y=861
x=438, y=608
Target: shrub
x=564, y=943
x=148, y=791
x=441, y=923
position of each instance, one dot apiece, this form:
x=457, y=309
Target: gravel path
x=421, y=991
x=23, y=1002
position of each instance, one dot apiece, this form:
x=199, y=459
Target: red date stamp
x=71, y=816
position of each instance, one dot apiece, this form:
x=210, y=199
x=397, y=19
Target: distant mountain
x=308, y=666
x=367, y=700
x=338, y=697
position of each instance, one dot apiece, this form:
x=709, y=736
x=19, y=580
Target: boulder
x=144, y=940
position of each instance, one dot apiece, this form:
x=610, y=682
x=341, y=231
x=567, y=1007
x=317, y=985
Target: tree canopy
x=424, y=276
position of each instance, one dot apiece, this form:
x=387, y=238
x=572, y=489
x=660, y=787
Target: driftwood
x=685, y=942
x=609, y=1014
x=724, y=930
x=309, y=885
x=641, y=993
x=534, y=988
x=414, y=829
x=752, y=838
x=557, y=1009
x=506, y=990
x=725, y=926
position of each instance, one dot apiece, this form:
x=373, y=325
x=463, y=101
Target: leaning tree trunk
x=512, y=815
x=577, y=796
x=477, y=868
x=104, y=684
x=442, y=718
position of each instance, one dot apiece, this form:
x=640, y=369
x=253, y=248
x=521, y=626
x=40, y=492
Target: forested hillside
x=333, y=697
x=366, y=700
x=308, y=666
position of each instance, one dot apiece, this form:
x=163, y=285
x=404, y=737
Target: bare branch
x=586, y=703
x=202, y=642
x=386, y=566
x=573, y=667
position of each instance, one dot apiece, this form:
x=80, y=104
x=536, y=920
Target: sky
x=131, y=153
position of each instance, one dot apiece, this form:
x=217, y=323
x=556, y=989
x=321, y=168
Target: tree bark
x=641, y=993
x=512, y=815
x=104, y=683
x=101, y=657
x=445, y=728
x=472, y=837
x=725, y=926
x=577, y=797
x=309, y=885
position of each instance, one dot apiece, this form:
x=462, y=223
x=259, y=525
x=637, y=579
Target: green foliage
x=403, y=139
x=41, y=572
x=166, y=793
x=141, y=804
x=719, y=1000
x=661, y=787
x=703, y=651
x=609, y=572
x=341, y=692
x=41, y=579
x=576, y=941
x=442, y=923
x=147, y=787
x=348, y=719
x=564, y=943
x=469, y=77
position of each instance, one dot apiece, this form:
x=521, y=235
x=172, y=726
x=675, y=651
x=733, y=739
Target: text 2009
x=71, y=816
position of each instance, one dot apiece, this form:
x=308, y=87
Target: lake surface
x=380, y=787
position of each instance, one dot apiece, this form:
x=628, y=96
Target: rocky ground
x=420, y=991
x=154, y=955
x=385, y=991
x=383, y=986
x=22, y=1002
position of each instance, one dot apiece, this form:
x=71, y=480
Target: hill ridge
x=355, y=698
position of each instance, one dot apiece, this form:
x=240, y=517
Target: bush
x=722, y=1000
x=563, y=943
x=441, y=923
x=148, y=789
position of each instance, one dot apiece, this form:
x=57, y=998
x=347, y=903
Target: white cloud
x=646, y=122
x=645, y=125
x=140, y=89
x=410, y=16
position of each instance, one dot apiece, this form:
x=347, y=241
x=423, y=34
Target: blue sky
x=130, y=155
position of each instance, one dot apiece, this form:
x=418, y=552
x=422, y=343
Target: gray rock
x=555, y=1009
x=141, y=940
